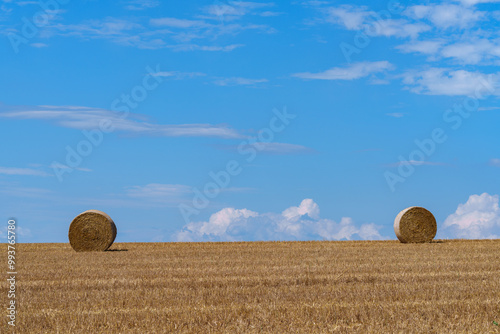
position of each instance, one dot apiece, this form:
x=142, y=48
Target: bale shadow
x=117, y=250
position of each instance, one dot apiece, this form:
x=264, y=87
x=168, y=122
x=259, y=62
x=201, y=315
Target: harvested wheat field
x=261, y=287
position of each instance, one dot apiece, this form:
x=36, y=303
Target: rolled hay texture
x=415, y=225
x=92, y=231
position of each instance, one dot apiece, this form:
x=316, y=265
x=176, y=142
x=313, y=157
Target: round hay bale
x=415, y=225
x=92, y=230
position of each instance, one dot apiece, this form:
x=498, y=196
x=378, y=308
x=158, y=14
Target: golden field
x=448, y=286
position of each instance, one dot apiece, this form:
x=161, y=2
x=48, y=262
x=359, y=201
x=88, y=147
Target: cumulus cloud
x=351, y=17
x=301, y=222
x=473, y=51
x=446, y=15
x=478, y=218
x=354, y=71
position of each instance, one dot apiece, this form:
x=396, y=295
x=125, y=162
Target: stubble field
x=449, y=286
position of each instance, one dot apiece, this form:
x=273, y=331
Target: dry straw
x=92, y=230
x=415, y=225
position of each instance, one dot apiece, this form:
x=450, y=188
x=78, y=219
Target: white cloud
x=466, y=40
x=415, y=163
x=478, y=218
x=59, y=165
x=270, y=13
x=177, y=75
x=475, y=2
x=306, y=207
x=272, y=148
x=177, y=23
x=20, y=232
x=278, y=148
x=396, y=114
x=487, y=108
x=466, y=50
x=360, y=18
x=237, y=81
x=398, y=28
x=22, y=171
x=446, y=15
x=157, y=191
x=295, y=223
x=175, y=33
x=194, y=47
x=424, y=47
x=440, y=81
x=473, y=52
x=84, y=118
x=234, y=10
x=495, y=162
x=39, y=45
x=25, y=192
x=352, y=17
x=142, y=4
x=354, y=71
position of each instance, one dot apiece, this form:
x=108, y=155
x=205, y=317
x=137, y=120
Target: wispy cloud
x=173, y=22
x=396, y=114
x=25, y=192
x=210, y=48
x=177, y=74
x=158, y=192
x=429, y=47
x=451, y=31
x=351, y=72
x=495, y=162
x=280, y=148
x=270, y=148
x=446, y=16
x=301, y=222
x=39, y=45
x=58, y=165
x=198, y=33
x=142, y=4
x=22, y=171
x=360, y=18
x=475, y=2
x=441, y=81
x=234, y=10
x=415, y=163
x=237, y=81
x=84, y=118
x=487, y=108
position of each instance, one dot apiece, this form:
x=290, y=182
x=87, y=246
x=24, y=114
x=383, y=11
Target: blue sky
x=226, y=120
